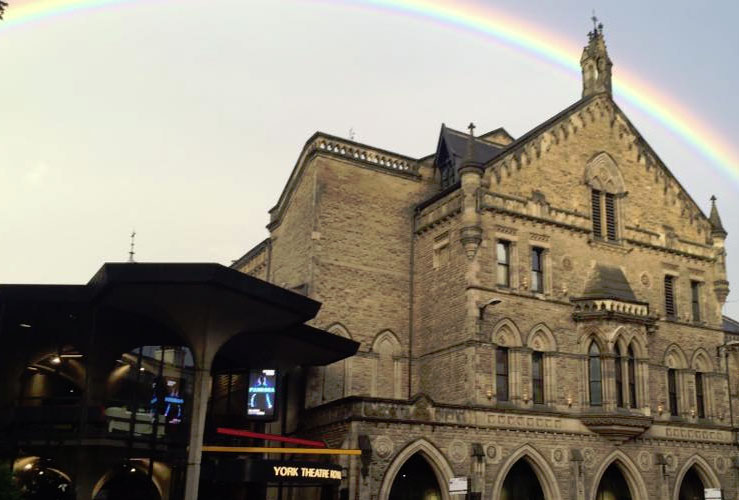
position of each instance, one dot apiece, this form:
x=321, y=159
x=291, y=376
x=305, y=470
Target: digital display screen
x=261, y=396
x=167, y=400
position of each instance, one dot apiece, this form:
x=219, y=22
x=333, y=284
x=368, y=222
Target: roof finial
x=713, y=198
x=717, y=227
x=131, y=252
x=471, y=127
x=352, y=133
x=595, y=21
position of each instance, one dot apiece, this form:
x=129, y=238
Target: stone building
x=540, y=315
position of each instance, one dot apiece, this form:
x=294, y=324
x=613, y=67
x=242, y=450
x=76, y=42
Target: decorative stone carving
x=670, y=462
x=567, y=264
x=494, y=453
x=457, y=451
x=721, y=464
x=645, y=280
x=644, y=459
x=588, y=457
x=383, y=446
x=559, y=457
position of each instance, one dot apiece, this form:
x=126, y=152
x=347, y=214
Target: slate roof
x=456, y=144
x=730, y=325
x=606, y=282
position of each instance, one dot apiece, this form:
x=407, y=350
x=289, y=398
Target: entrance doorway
x=613, y=486
x=692, y=486
x=521, y=483
x=415, y=480
x=131, y=484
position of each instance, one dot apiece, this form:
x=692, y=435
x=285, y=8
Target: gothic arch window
x=676, y=368
x=702, y=367
x=595, y=375
x=631, y=371
x=607, y=189
x=507, y=361
x=336, y=382
x=619, y=376
x=387, y=371
x=542, y=344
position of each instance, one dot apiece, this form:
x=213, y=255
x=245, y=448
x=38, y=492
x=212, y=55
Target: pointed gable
x=451, y=149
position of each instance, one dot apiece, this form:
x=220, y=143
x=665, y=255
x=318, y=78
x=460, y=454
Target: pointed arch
x=339, y=329
x=628, y=469
x=336, y=380
x=602, y=173
x=386, y=341
x=675, y=357
x=506, y=333
x=538, y=464
x=435, y=458
x=701, y=361
x=386, y=372
x=704, y=470
x=590, y=335
x=544, y=335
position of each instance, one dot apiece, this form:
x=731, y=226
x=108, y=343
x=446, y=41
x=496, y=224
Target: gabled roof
x=455, y=143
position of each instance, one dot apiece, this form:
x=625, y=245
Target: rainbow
x=474, y=17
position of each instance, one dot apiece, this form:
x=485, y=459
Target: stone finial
x=595, y=63
x=717, y=228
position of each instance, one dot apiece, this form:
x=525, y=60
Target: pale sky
x=183, y=118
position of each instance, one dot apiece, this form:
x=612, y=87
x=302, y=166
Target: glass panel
x=632, y=378
x=501, y=373
x=699, y=395
x=537, y=377
x=672, y=390
x=503, y=257
x=594, y=375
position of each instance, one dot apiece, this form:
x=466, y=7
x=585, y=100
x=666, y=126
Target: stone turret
x=470, y=174
x=718, y=236
x=595, y=64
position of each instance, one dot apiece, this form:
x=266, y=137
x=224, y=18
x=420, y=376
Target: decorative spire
x=131, y=251
x=469, y=156
x=595, y=63
x=717, y=228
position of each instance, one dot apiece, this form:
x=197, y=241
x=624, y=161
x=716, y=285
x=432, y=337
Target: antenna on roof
x=595, y=21
x=352, y=133
x=131, y=252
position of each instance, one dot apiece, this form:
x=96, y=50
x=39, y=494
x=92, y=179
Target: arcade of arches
x=416, y=480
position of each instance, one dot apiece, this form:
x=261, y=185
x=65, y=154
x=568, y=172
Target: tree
x=8, y=488
x=3, y=4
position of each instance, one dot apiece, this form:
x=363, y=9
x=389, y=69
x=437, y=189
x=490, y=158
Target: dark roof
x=605, y=282
x=456, y=144
x=730, y=325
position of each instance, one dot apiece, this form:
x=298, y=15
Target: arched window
x=672, y=391
x=606, y=186
x=699, y=400
x=632, y=377
x=595, y=376
x=619, y=378
x=537, y=376
x=501, y=373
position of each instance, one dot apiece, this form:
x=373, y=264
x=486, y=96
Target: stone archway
x=696, y=467
x=615, y=468
x=537, y=464
x=433, y=457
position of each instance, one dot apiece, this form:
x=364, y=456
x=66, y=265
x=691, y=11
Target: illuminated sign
x=287, y=471
x=261, y=397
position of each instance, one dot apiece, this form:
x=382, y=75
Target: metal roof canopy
x=252, y=321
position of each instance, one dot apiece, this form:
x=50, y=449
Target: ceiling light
x=142, y=369
x=28, y=467
x=56, y=360
x=71, y=355
x=133, y=469
x=24, y=325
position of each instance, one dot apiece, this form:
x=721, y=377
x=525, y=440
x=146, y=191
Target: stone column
x=201, y=393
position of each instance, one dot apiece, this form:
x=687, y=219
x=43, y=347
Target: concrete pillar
x=201, y=393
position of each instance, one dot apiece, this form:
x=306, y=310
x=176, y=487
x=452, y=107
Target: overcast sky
x=183, y=119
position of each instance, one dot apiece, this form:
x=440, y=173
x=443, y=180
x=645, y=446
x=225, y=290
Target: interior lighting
x=71, y=355
x=132, y=470
x=142, y=369
x=56, y=360
x=24, y=325
x=40, y=473
x=28, y=467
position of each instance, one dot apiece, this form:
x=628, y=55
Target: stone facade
x=435, y=281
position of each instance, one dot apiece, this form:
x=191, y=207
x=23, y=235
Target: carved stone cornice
x=615, y=427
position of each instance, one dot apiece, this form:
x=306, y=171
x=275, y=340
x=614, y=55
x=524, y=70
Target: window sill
x=612, y=245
